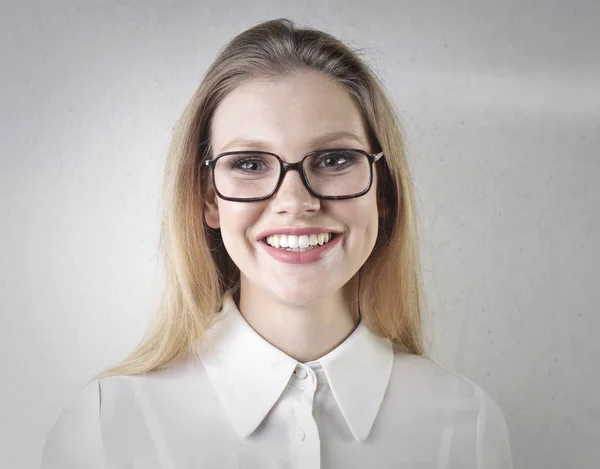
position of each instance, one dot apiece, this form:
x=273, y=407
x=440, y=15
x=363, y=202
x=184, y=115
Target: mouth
x=299, y=243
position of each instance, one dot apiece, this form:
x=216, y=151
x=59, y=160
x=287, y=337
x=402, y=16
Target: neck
x=303, y=332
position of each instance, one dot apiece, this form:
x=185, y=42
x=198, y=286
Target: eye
x=248, y=164
x=336, y=160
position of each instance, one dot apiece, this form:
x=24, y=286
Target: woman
x=290, y=334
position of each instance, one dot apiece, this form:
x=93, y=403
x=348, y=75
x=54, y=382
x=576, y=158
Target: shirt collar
x=249, y=374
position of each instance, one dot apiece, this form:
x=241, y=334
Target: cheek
x=237, y=218
x=371, y=222
x=360, y=215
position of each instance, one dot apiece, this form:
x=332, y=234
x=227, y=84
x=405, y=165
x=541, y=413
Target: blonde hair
x=198, y=270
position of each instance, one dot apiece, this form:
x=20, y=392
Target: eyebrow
x=258, y=144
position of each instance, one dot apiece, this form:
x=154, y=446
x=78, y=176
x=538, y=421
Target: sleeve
x=75, y=440
x=493, y=443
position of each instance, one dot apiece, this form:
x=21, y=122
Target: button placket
x=305, y=436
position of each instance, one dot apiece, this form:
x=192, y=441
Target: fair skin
x=305, y=310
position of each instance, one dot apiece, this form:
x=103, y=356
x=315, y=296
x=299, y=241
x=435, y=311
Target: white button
x=301, y=373
x=300, y=434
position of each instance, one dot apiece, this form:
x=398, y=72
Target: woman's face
x=291, y=116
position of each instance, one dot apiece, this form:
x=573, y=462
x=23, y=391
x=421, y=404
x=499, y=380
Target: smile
x=304, y=252
x=298, y=243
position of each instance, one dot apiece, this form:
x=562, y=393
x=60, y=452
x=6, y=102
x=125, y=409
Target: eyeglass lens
x=339, y=173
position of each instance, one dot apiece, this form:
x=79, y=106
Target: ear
x=211, y=208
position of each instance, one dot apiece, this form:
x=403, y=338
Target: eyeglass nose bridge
x=297, y=166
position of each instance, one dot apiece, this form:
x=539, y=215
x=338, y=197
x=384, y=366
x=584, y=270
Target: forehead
x=296, y=112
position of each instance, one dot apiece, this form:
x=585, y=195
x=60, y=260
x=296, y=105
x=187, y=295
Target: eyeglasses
x=250, y=176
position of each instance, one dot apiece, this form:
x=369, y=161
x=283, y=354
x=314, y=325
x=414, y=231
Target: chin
x=301, y=296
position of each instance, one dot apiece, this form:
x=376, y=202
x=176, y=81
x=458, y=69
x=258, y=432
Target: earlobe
x=211, y=210
x=211, y=216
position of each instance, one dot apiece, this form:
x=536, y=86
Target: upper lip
x=294, y=231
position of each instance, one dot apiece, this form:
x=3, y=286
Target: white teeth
x=292, y=241
x=283, y=241
x=301, y=242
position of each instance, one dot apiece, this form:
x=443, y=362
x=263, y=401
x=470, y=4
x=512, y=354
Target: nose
x=293, y=197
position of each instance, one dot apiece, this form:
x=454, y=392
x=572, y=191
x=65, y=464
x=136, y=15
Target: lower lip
x=301, y=257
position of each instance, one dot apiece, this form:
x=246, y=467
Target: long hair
x=198, y=270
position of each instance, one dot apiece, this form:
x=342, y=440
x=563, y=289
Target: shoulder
x=170, y=378
x=424, y=379
x=79, y=436
x=75, y=440
x=429, y=378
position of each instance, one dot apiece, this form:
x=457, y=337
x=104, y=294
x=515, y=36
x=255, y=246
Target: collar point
x=361, y=435
x=244, y=429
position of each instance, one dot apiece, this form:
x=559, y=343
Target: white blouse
x=245, y=404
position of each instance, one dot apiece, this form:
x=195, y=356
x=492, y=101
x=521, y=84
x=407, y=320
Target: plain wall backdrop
x=501, y=106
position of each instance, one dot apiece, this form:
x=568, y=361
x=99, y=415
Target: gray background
x=501, y=107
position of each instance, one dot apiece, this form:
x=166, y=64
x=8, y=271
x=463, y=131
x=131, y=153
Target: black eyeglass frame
x=285, y=167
